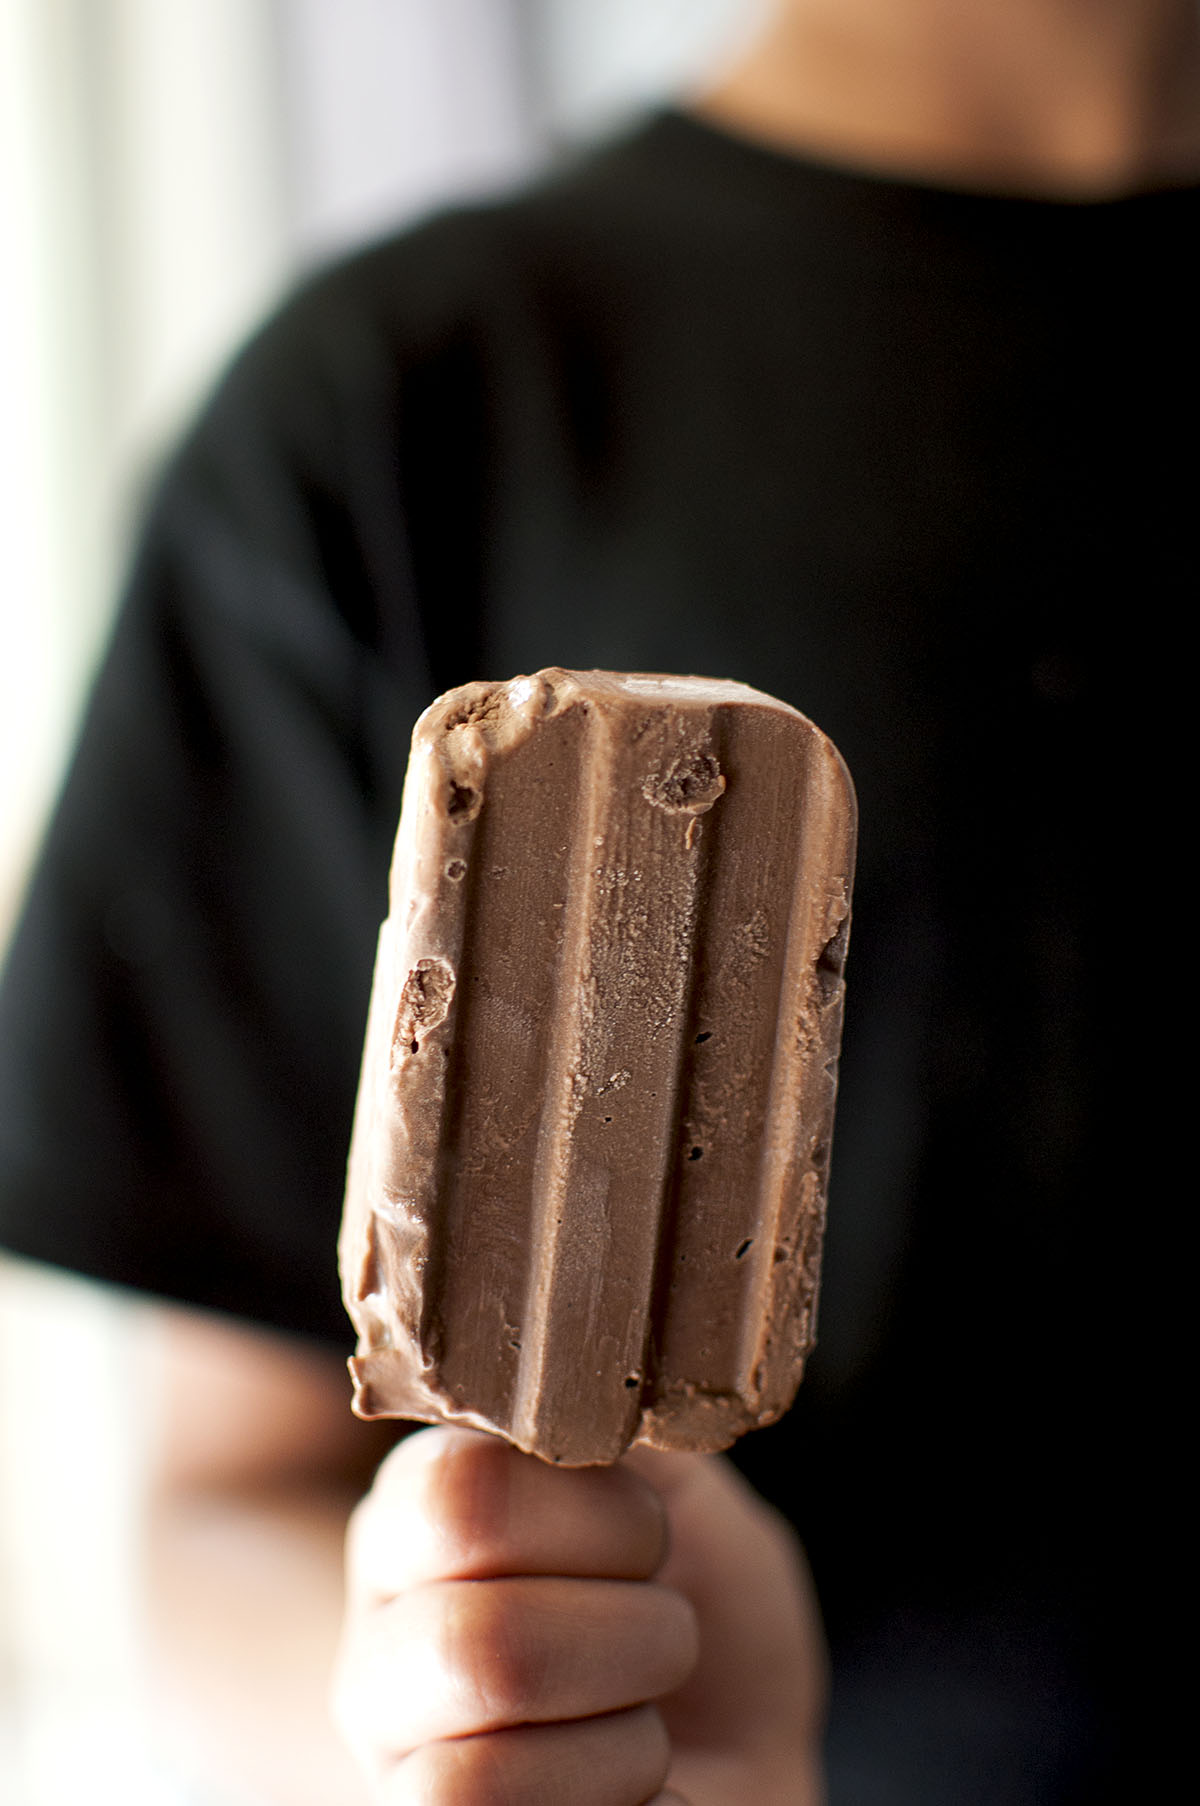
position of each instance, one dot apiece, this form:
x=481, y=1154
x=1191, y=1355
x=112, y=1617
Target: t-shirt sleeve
x=182, y=1011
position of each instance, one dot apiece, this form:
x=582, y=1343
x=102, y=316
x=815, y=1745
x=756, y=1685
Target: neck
x=1078, y=98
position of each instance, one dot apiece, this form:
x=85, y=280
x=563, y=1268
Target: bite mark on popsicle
x=424, y=1003
x=688, y=786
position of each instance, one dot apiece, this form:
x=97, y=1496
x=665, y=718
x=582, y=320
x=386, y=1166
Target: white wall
x=141, y=226
x=393, y=106
x=602, y=59
x=165, y=167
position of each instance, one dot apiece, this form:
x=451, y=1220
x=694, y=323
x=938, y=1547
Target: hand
x=540, y=1635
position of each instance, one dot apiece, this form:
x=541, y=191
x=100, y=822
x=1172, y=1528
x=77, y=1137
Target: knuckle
x=467, y=1772
x=635, y=1517
x=468, y=1497
x=438, y=1509
x=687, y=1636
x=492, y=1650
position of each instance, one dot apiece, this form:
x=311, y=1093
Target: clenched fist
x=532, y=1635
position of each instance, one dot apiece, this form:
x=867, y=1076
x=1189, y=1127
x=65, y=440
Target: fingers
x=458, y=1505
x=754, y=1704
x=504, y=1636
x=457, y=1658
x=620, y=1760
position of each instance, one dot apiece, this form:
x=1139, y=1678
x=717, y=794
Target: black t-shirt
x=909, y=459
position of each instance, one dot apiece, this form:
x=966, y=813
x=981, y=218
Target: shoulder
x=465, y=272
x=414, y=338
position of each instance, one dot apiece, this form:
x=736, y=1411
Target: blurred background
x=167, y=169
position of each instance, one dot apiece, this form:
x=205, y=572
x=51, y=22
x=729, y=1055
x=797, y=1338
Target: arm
x=257, y=1463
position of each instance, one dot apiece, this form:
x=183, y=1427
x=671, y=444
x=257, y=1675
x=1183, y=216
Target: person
x=854, y=380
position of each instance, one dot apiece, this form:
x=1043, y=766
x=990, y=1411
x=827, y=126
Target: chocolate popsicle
x=586, y=1188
